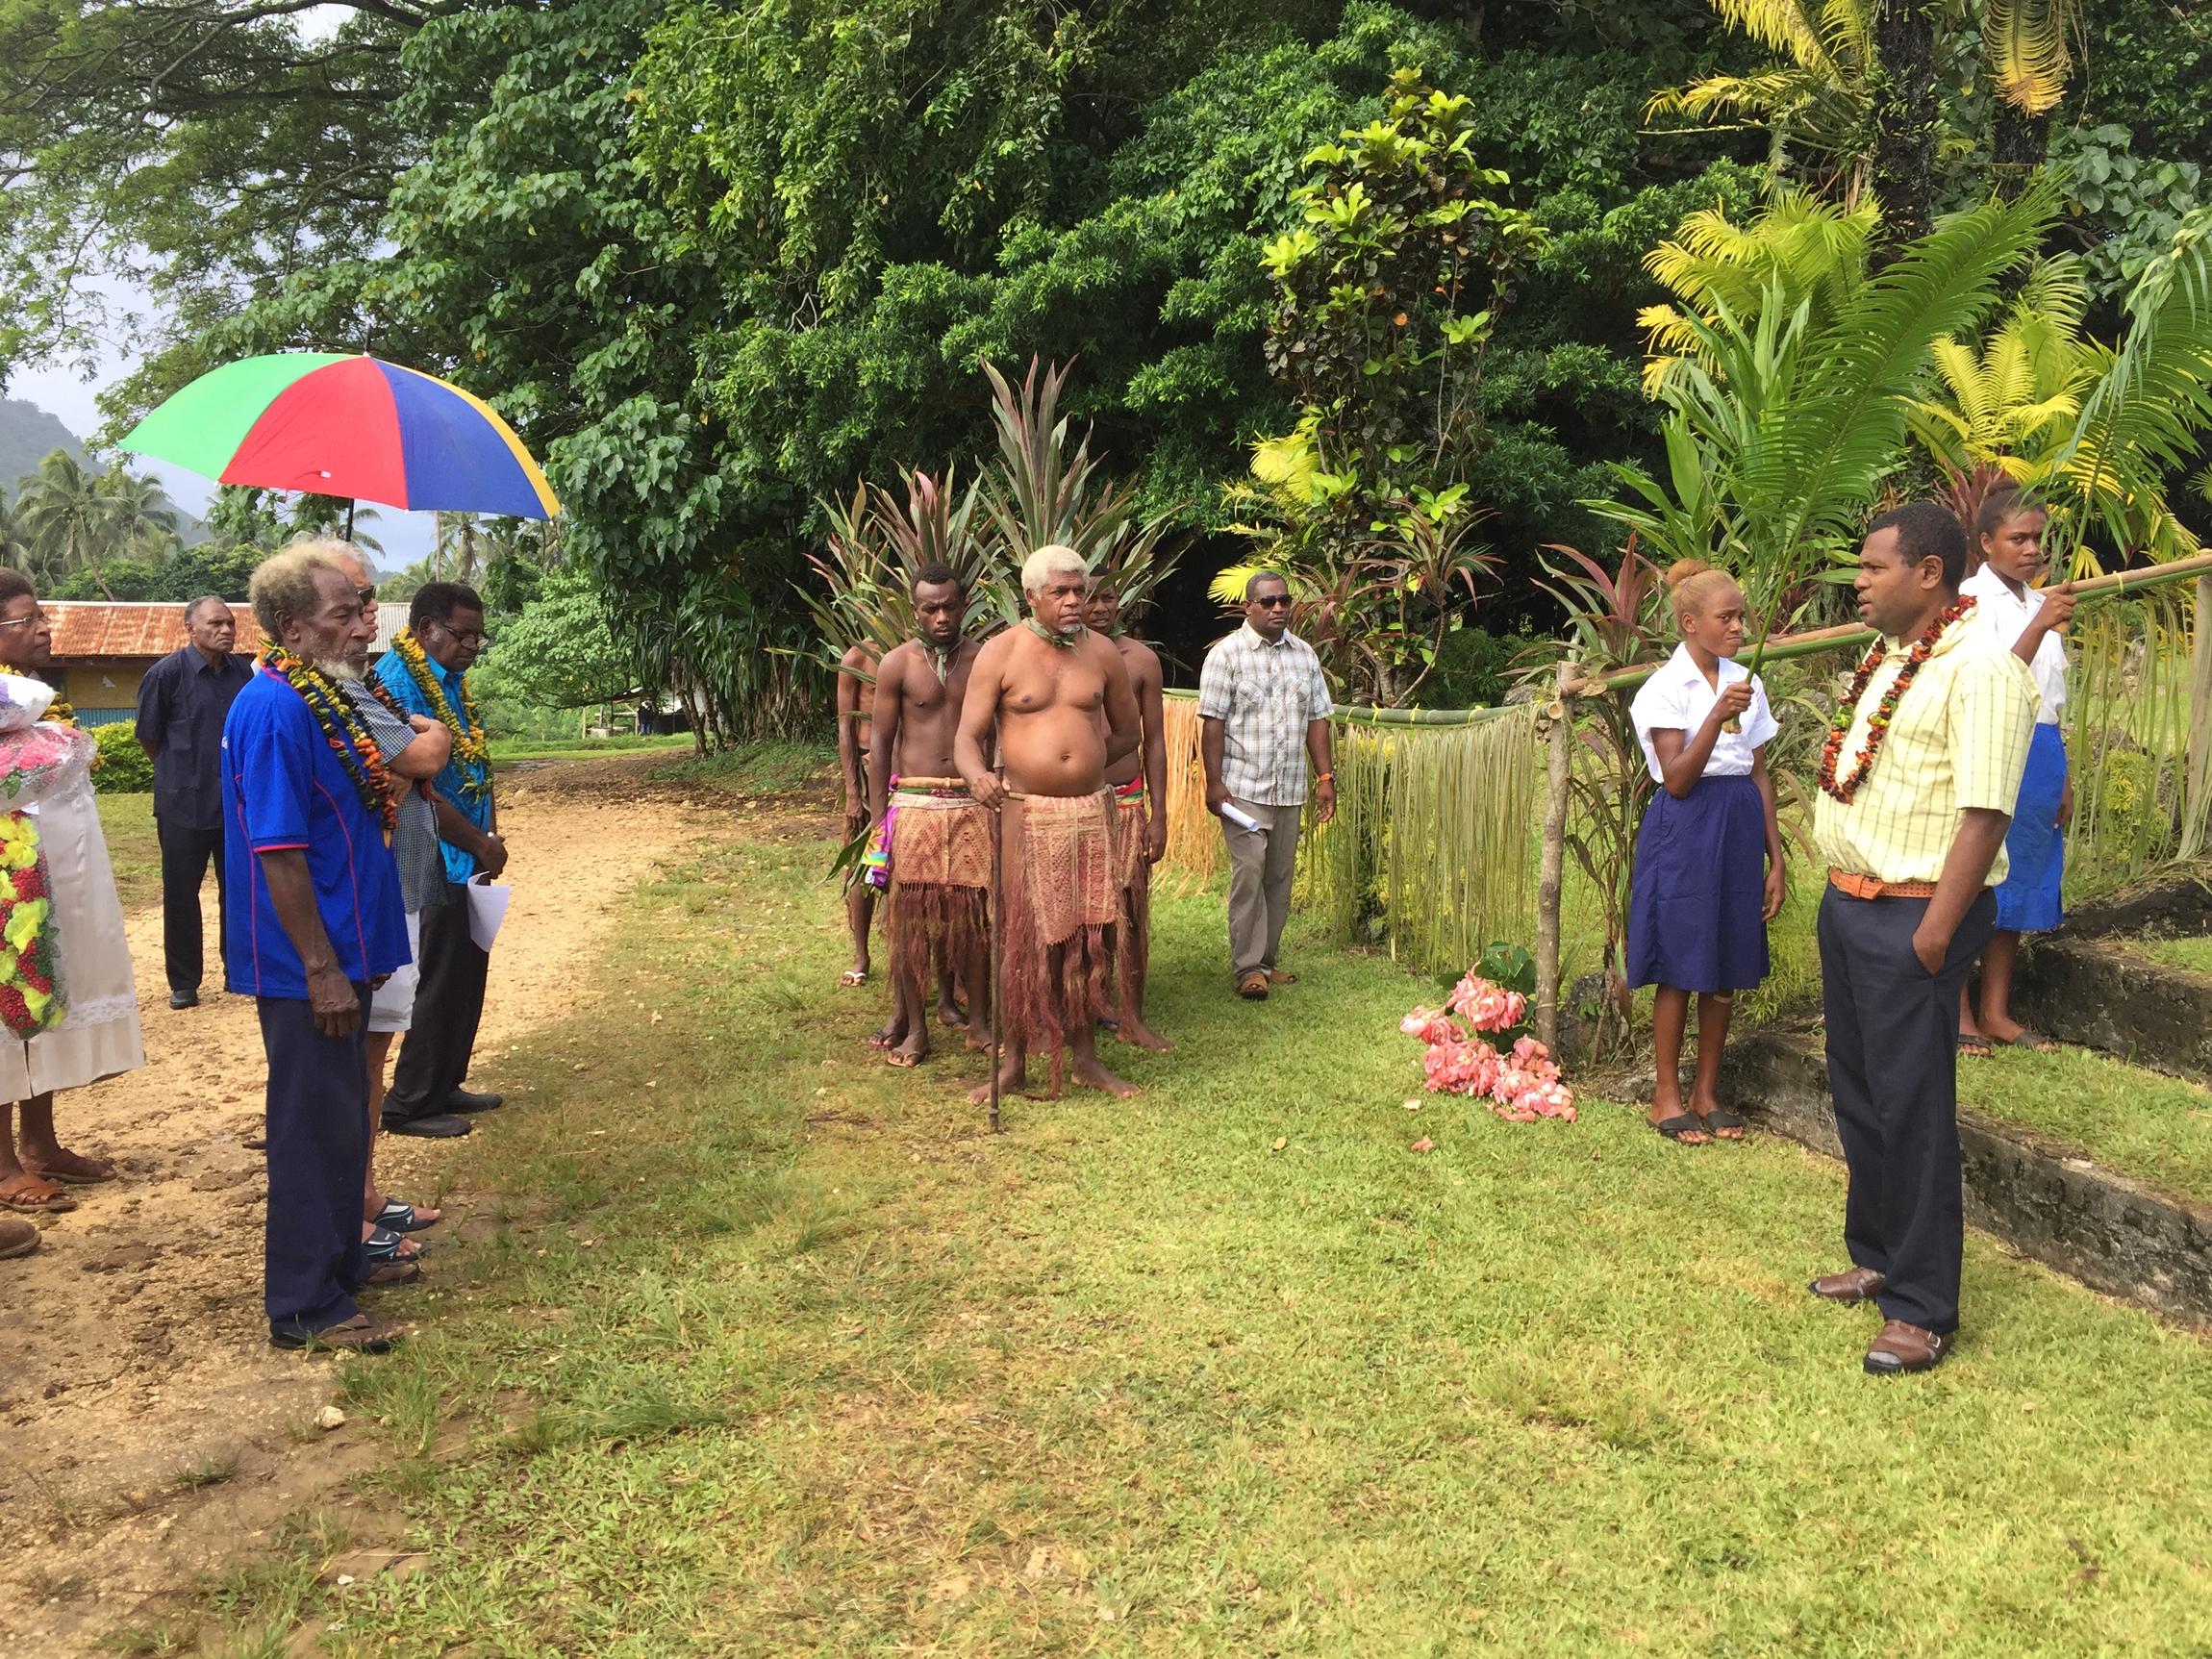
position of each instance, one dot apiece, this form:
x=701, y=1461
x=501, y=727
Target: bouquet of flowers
x=1516, y=1075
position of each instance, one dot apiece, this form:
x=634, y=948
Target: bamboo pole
x=2109, y=587
x=2200, y=725
x=1552, y=869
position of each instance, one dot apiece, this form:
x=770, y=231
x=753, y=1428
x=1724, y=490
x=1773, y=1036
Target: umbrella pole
x=349, y=507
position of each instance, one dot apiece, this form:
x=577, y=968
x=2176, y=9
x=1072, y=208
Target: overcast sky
x=75, y=399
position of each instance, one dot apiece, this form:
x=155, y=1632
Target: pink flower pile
x=1522, y=1084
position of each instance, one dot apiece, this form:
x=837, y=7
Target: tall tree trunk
x=2018, y=143
x=1903, y=112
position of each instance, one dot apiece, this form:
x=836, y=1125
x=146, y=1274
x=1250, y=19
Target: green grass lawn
x=2154, y=1127
x=2192, y=954
x=127, y=822
x=768, y=1349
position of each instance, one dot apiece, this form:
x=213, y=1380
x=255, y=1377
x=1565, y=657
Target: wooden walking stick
x=997, y=932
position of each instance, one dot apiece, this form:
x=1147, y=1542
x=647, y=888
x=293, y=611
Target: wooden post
x=1557, y=777
x=2200, y=772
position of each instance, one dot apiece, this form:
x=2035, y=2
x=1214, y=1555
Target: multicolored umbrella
x=348, y=426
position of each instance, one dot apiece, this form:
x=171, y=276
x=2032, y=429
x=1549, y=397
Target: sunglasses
x=1271, y=601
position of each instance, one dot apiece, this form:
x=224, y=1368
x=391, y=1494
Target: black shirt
x=181, y=702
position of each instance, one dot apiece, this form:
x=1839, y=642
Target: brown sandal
x=92, y=1171
x=34, y=1194
x=1253, y=987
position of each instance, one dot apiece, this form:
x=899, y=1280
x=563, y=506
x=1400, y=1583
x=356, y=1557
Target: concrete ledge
x=2100, y=995
x=2042, y=1197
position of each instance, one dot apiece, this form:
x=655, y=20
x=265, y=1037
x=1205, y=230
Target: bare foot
x=912, y=1052
x=1135, y=1031
x=60, y=1164
x=1012, y=1080
x=1091, y=1073
x=953, y=1016
x=891, y=1034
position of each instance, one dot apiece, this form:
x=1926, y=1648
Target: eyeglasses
x=25, y=621
x=1272, y=600
x=367, y=596
x=481, y=639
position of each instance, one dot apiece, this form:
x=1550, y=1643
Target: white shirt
x=2007, y=615
x=1677, y=698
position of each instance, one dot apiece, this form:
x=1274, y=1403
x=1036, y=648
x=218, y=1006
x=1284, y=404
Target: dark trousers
x=185, y=856
x=319, y=1161
x=1893, y=1070
x=448, y=1004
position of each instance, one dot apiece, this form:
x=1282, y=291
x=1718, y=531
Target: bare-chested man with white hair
x=1060, y=698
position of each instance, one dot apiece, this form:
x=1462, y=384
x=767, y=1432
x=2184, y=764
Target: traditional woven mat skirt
x=2034, y=845
x=1701, y=882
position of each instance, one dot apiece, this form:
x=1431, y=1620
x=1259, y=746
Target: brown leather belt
x=1870, y=886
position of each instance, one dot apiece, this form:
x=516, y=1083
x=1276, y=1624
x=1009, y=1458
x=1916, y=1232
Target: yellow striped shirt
x=1958, y=740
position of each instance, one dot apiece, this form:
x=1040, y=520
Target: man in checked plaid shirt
x=1263, y=711
x=1915, y=792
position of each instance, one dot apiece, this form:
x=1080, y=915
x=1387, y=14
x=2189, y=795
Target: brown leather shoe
x=1904, y=1347
x=359, y=1335
x=1855, y=1284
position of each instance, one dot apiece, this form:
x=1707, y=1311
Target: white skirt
x=98, y=1036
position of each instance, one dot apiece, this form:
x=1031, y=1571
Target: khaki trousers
x=1261, y=864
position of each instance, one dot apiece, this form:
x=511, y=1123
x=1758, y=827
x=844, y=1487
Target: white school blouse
x=2007, y=615
x=1677, y=698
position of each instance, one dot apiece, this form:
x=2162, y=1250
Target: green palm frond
x=2026, y=45
x=2144, y=418
x=1830, y=443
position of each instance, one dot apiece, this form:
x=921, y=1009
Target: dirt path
x=133, y=1348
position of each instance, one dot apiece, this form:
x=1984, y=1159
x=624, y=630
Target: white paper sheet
x=487, y=910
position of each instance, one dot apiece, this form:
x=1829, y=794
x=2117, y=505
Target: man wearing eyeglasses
x=1264, y=714
x=182, y=703
x=426, y=671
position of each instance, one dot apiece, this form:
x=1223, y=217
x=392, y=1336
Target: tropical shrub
x=124, y=768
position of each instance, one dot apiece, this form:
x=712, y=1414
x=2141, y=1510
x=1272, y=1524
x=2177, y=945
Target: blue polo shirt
x=456, y=780
x=285, y=789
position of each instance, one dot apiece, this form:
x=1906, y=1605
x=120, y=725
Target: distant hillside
x=28, y=435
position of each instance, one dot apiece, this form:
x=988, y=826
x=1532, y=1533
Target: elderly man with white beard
x=316, y=923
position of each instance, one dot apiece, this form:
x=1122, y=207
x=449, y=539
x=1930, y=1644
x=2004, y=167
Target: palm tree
x=1819, y=97
x=1781, y=428
x=14, y=549
x=142, y=524
x=65, y=518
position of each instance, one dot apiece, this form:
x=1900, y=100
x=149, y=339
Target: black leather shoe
x=437, y=1126
x=184, y=999
x=463, y=1100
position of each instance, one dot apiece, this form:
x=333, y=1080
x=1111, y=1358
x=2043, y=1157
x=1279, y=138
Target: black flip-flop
x=1975, y=1045
x=1721, y=1118
x=2031, y=1040
x=1682, y=1124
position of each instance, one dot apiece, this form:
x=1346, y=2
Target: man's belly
x=1056, y=753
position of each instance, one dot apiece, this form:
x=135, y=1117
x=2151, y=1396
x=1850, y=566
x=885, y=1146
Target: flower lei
x=29, y=995
x=471, y=751
x=342, y=728
x=1879, y=722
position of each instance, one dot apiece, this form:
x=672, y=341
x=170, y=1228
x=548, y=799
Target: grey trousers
x=1261, y=863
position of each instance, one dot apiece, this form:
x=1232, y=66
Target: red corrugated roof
x=93, y=630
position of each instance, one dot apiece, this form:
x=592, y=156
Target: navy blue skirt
x=1701, y=882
